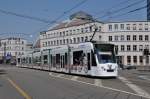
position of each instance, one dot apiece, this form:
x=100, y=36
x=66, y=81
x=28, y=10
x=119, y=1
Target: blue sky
x=50, y=9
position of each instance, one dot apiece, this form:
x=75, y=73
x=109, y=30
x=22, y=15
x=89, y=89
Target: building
x=130, y=38
x=12, y=47
x=148, y=10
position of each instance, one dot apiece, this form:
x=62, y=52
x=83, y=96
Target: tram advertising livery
x=88, y=58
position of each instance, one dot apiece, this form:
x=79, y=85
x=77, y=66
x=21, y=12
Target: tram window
x=45, y=59
x=57, y=58
x=66, y=59
x=89, y=61
x=93, y=59
x=77, y=57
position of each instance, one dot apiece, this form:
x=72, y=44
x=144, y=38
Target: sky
x=12, y=25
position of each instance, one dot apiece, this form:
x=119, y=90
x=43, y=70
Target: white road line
x=134, y=87
x=98, y=82
x=59, y=75
x=74, y=78
x=109, y=88
x=144, y=77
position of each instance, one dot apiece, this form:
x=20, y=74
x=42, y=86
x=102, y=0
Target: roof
x=76, y=19
x=75, y=22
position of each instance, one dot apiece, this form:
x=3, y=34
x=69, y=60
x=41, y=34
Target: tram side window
x=45, y=59
x=93, y=59
x=66, y=62
x=77, y=57
x=57, y=59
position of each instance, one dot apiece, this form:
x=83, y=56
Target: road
x=23, y=83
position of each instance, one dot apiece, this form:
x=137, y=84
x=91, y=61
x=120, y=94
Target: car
x=130, y=67
x=13, y=63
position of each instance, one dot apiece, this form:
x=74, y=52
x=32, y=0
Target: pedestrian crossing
x=121, y=84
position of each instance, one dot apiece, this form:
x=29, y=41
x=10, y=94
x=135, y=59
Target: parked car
x=130, y=67
x=13, y=63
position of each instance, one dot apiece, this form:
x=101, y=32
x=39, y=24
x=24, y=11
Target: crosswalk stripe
x=134, y=87
x=59, y=75
x=74, y=78
x=98, y=82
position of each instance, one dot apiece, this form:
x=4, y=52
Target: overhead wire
x=114, y=6
x=24, y=16
x=121, y=9
x=63, y=14
x=131, y=11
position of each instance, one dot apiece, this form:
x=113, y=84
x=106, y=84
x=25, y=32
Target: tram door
x=62, y=61
x=89, y=60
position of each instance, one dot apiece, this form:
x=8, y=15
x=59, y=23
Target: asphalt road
x=23, y=83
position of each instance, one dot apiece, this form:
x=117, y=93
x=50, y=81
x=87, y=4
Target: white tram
x=88, y=58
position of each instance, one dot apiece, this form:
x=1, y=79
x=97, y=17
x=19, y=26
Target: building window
x=82, y=30
x=100, y=28
x=146, y=26
x=141, y=59
x=86, y=29
x=48, y=43
x=45, y=43
x=128, y=47
x=140, y=47
x=146, y=46
x=134, y=26
x=128, y=26
x=82, y=39
x=74, y=40
x=70, y=32
x=86, y=38
x=134, y=59
x=134, y=37
x=122, y=37
x=140, y=37
x=67, y=41
x=63, y=33
x=140, y=26
x=116, y=26
x=110, y=38
x=60, y=42
x=134, y=47
x=71, y=41
x=122, y=47
x=63, y=41
x=128, y=37
x=146, y=38
x=100, y=37
x=78, y=39
x=57, y=42
x=128, y=59
x=116, y=38
x=116, y=47
x=122, y=26
x=110, y=27
x=60, y=33
x=78, y=30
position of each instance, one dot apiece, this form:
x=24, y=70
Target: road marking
x=109, y=88
x=74, y=78
x=134, y=87
x=144, y=77
x=98, y=82
x=59, y=75
x=23, y=93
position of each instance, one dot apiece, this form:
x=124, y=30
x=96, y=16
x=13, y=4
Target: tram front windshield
x=105, y=53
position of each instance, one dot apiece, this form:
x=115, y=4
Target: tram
x=88, y=58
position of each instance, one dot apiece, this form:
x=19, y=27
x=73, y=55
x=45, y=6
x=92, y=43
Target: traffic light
x=146, y=51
